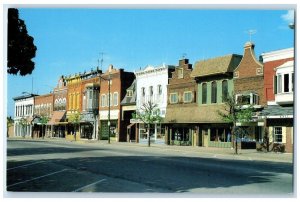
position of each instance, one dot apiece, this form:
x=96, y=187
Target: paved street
x=61, y=166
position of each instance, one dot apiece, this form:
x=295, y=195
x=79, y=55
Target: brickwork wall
x=269, y=73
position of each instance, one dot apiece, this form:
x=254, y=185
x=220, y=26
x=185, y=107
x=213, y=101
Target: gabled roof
x=218, y=65
x=130, y=100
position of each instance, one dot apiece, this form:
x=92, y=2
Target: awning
x=57, y=117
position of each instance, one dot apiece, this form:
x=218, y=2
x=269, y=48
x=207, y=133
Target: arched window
x=204, y=93
x=224, y=90
x=214, y=92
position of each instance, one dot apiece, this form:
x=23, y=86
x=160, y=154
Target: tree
x=20, y=46
x=148, y=114
x=9, y=123
x=23, y=122
x=234, y=113
x=43, y=121
x=75, y=120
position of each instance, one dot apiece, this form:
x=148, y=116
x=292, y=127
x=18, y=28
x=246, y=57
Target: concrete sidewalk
x=205, y=152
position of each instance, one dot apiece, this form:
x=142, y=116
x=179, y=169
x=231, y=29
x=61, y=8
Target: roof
x=130, y=100
x=277, y=110
x=24, y=96
x=218, y=65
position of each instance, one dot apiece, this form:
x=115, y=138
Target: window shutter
x=275, y=84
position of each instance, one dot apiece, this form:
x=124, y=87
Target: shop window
x=278, y=134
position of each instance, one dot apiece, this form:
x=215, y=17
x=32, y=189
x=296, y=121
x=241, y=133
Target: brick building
x=214, y=79
x=90, y=89
x=58, y=119
x=249, y=91
x=279, y=92
x=110, y=111
x=181, y=125
x=128, y=109
x=43, y=109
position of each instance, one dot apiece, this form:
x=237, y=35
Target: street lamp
x=108, y=122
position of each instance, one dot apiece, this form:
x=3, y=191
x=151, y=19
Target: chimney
x=110, y=68
x=183, y=61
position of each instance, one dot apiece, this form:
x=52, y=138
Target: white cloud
x=288, y=17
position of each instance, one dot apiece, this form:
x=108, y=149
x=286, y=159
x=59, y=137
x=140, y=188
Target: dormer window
x=129, y=93
x=247, y=99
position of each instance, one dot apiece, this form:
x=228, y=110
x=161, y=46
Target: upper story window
x=159, y=89
x=204, y=93
x=115, y=99
x=180, y=73
x=247, y=99
x=143, y=92
x=187, y=97
x=224, y=90
x=151, y=90
x=214, y=92
x=173, y=98
x=103, y=100
x=129, y=93
x=284, y=83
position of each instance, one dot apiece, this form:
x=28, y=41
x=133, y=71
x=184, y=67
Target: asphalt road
x=65, y=167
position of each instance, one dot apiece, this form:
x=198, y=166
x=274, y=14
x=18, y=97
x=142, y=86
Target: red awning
x=56, y=117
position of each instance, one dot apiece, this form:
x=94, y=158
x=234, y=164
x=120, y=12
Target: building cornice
x=278, y=55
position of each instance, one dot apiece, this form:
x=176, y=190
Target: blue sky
x=70, y=40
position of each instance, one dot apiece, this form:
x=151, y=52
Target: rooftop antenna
x=251, y=32
x=101, y=61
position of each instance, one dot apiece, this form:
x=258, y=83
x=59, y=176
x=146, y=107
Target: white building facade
x=24, y=108
x=151, y=85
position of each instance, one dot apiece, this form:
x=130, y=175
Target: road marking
x=37, y=178
x=89, y=185
x=25, y=165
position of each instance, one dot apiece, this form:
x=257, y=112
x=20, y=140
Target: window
x=159, y=89
x=286, y=83
x=173, y=98
x=187, y=97
x=283, y=83
x=277, y=134
x=151, y=90
x=115, y=99
x=214, y=92
x=180, y=73
x=143, y=92
x=247, y=99
x=224, y=90
x=103, y=100
x=204, y=93
x=129, y=93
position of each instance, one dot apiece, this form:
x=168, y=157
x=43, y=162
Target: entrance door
x=205, y=137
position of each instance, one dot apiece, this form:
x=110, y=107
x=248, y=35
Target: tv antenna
x=251, y=32
x=101, y=61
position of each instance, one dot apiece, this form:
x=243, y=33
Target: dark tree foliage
x=20, y=46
